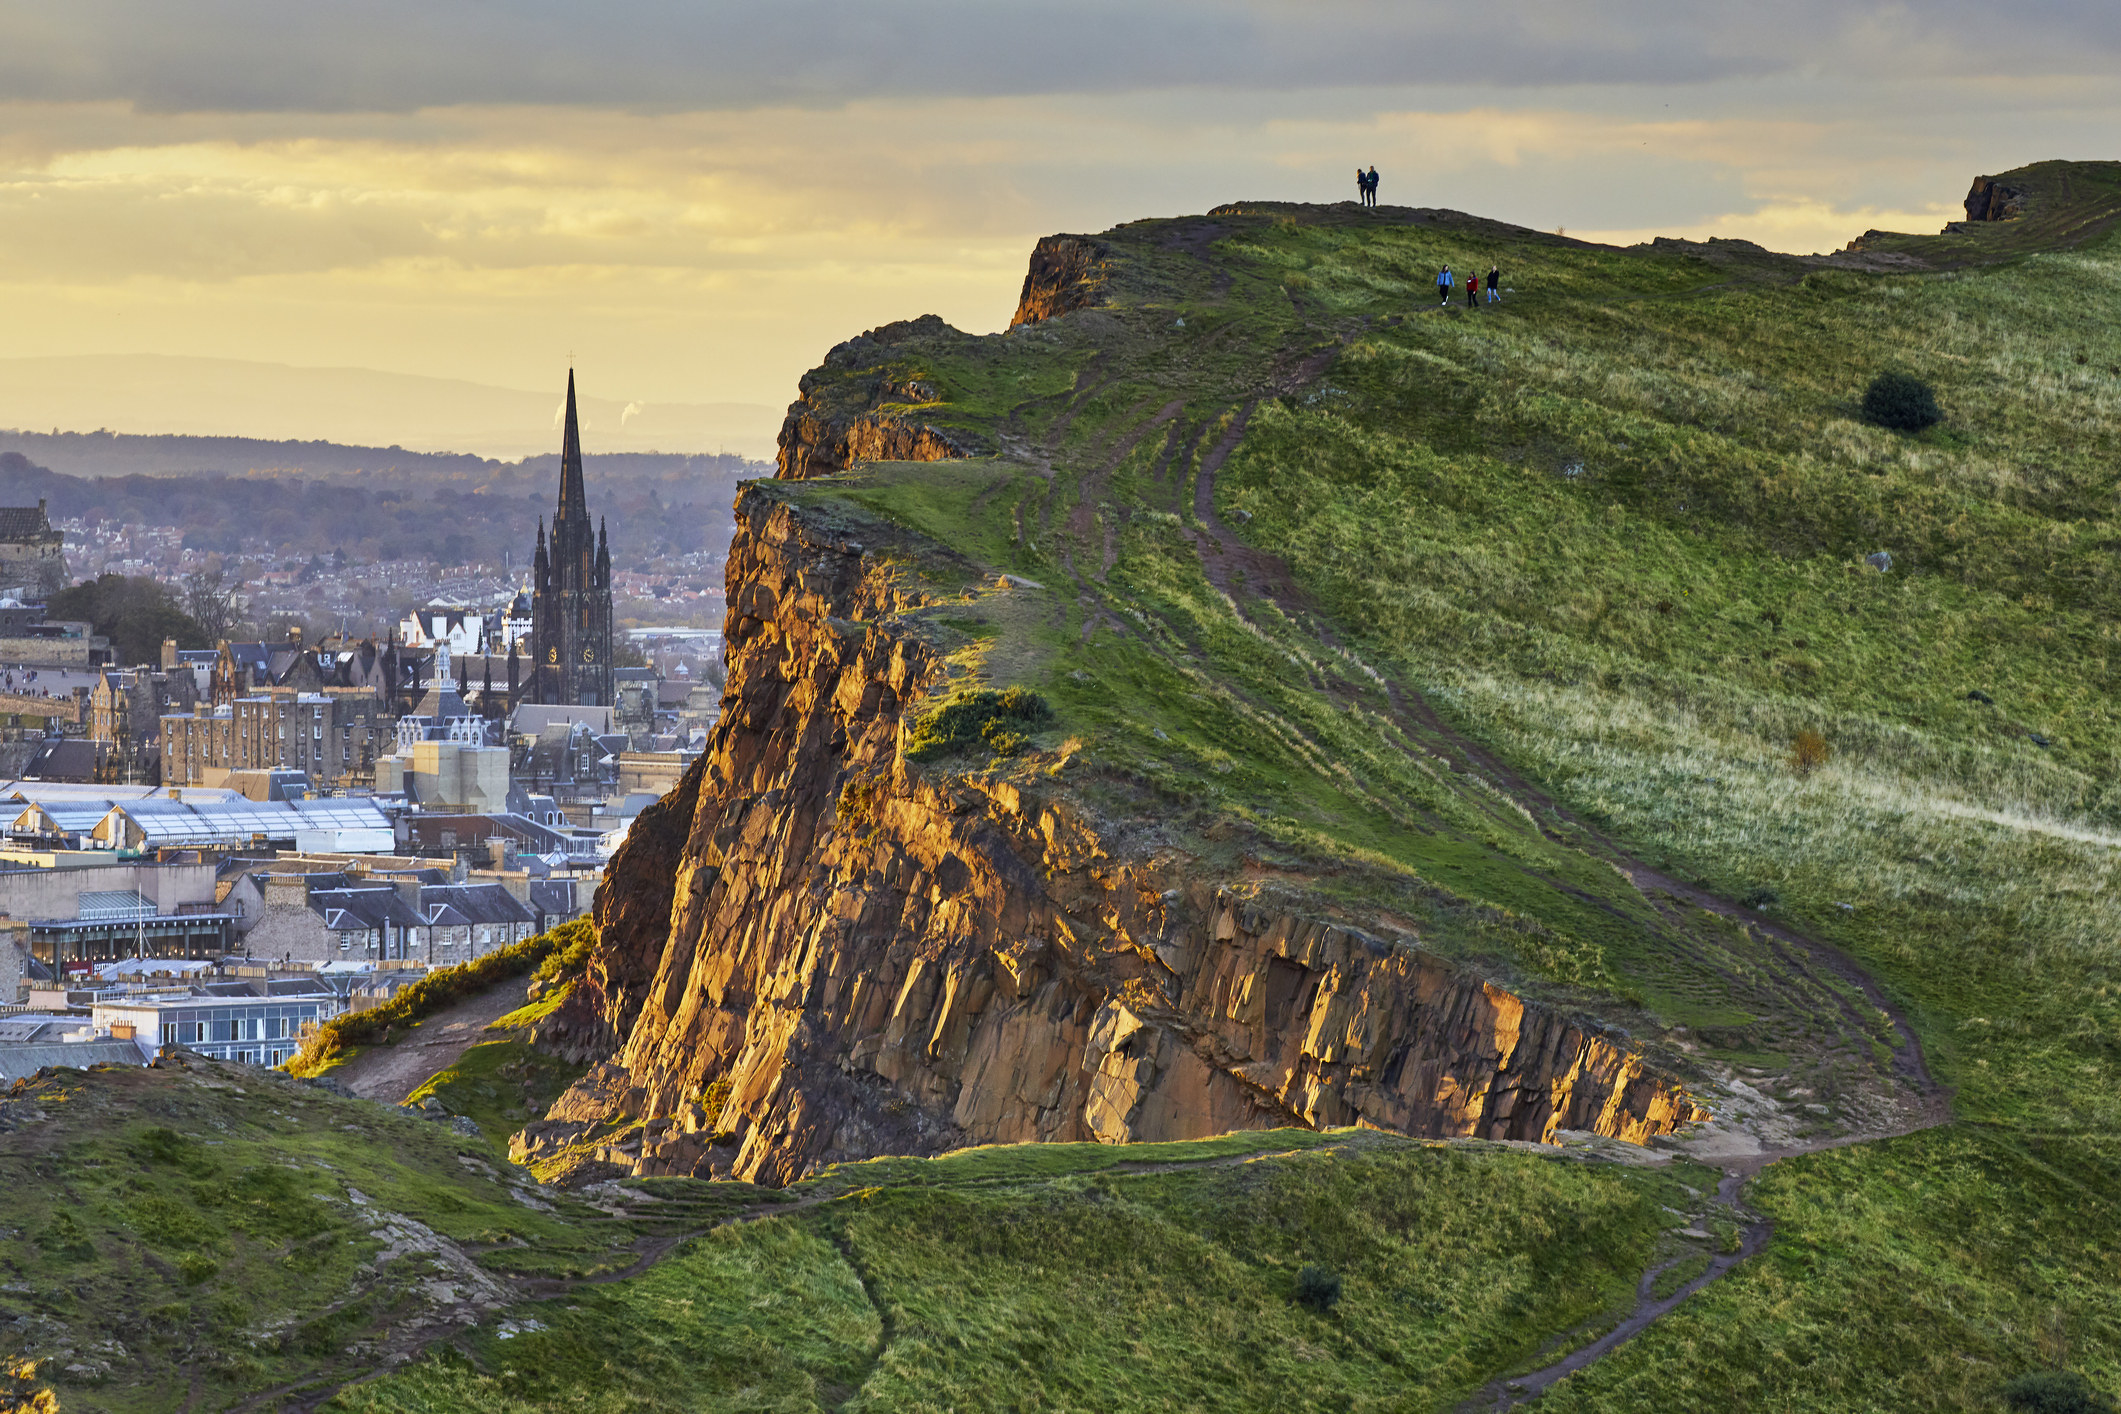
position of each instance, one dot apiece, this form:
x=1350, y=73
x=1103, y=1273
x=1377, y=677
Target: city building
x=32, y=553
x=256, y=1022
x=332, y=737
x=320, y=918
x=126, y=708
x=571, y=637
x=55, y=817
x=29, y=1041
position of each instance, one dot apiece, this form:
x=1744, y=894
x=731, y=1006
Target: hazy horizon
x=161, y=394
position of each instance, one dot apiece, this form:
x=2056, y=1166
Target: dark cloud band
x=397, y=55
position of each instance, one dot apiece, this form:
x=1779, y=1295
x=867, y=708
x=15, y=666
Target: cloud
x=405, y=55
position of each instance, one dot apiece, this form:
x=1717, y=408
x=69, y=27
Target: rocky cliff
x=818, y=949
x=836, y=421
x=1992, y=200
x=1067, y=273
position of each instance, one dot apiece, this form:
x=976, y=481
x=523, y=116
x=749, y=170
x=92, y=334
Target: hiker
x=1373, y=184
x=1494, y=284
x=1443, y=286
x=1473, y=290
x=1362, y=186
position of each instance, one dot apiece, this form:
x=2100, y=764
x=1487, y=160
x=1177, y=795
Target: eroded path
x=392, y=1071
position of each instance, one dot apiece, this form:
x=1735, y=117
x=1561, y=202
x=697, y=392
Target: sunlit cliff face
x=695, y=203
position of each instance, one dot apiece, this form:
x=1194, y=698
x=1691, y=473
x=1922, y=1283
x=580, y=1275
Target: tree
x=135, y=613
x=1808, y=752
x=211, y=601
x=1902, y=402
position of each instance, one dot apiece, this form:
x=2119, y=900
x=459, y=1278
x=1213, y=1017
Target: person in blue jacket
x=1443, y=285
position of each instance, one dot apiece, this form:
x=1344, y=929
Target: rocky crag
x=818, y=949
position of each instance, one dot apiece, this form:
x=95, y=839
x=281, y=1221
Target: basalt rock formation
x=1067, y=273
x=817, y=949
x=1991, y=200
x=837, y=422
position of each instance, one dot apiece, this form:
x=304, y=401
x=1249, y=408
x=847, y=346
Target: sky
x=692, y=201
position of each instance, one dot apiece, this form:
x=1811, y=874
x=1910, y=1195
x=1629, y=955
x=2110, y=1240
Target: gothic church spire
x=574, y=500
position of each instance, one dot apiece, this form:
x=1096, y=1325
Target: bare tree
x=211, y=602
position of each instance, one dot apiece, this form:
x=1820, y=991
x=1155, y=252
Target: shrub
x=443, y=987
x=1002, y=720
x=1808, y=752
x=2055, y=1392
x=1762, y=897
x=571, y=945
x=1902, y=402
x=19, y=1391
x=1318, y=1288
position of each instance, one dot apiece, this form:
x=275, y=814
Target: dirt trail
x=390, y=1073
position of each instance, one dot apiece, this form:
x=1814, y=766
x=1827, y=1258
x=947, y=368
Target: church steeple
x=571, y=628
x=574, y=500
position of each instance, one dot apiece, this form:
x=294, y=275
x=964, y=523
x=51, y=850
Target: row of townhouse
x=338, y=917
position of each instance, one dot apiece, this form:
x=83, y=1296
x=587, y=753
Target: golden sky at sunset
x=695, y=201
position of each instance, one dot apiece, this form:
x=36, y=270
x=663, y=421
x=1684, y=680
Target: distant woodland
x=303, y=498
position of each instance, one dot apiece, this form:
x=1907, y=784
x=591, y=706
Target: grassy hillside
x=1615, y=530
x=207, y=1236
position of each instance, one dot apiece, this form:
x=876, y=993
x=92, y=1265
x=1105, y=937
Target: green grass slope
x=190, y=1235
x=1086, y=1278
x=1615, y=529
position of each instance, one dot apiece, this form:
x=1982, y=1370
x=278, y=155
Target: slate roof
x=363, y=908
x=64, y=759
x=20, y=523
x=552, y=895
x=474, y=903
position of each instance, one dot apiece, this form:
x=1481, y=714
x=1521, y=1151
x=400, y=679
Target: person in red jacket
x=1473, y=290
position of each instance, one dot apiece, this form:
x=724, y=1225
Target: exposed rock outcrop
x=829, y=953
x=838, y=421
x=1991, y=200
x=1067, y=273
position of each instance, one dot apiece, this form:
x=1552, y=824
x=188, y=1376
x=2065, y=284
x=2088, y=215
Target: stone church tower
x=570, y=603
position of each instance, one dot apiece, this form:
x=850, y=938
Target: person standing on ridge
x=1443, y=286
x=1362, y=187
x=1373, y=184
x=1495, y=284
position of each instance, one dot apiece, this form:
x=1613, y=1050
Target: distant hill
x=210, y=397
x=378, y=504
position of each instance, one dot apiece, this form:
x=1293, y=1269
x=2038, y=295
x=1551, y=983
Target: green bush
x=1902, y=402
x=1003, y=720
x=572, y=943
x=2055, y=1392
x=1318, y=1288
x=443, y=987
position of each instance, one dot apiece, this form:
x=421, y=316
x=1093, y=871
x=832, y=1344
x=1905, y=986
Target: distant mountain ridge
x=100, y=454
x=213, y=398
